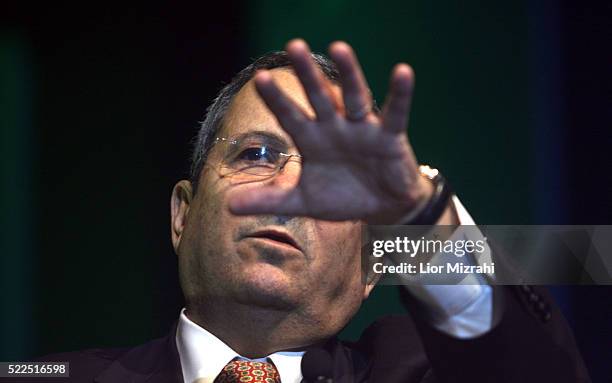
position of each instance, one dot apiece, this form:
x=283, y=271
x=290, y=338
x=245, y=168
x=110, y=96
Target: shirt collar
x=203, y=355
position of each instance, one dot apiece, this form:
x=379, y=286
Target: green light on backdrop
x=16, y=229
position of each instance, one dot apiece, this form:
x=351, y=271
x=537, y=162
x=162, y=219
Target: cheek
x=338, y=246
x=341, y=235
x=341, y=285
x=208, y=220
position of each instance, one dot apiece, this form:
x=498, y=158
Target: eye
x=259, y=154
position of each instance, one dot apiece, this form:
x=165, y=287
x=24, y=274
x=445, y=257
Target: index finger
x=312, y=79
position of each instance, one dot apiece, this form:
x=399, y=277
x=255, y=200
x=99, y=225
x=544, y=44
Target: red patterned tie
x=245, y=371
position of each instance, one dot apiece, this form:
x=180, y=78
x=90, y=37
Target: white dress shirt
x=463, y=311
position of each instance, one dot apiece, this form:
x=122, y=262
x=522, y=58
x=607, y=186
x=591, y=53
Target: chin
x=270, y=287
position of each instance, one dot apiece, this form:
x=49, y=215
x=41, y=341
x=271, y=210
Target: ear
x=367, y=261
x=370, y=286
x=179, y=209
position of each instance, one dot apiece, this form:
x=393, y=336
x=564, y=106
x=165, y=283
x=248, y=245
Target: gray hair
x=215, y=113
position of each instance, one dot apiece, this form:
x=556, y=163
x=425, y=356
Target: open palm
x=357, y=164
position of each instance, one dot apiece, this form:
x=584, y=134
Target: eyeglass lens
x=254, y=156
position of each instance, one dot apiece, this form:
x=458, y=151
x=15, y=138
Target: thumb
x=267, y=200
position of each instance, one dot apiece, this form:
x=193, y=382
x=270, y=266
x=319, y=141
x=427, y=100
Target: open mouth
x=276, y=236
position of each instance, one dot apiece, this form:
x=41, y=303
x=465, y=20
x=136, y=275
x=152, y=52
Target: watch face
x=428, y=172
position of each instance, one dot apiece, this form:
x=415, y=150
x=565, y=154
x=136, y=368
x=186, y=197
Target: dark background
x=99, y=104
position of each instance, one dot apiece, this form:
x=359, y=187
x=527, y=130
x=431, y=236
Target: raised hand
x=357, y=164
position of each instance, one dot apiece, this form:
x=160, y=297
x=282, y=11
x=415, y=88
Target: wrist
x=425, y=192
x=428, y=203
x=396, y=212
x=438, y=208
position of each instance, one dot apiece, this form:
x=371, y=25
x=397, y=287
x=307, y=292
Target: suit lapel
x=153, y=362
x=350, y=366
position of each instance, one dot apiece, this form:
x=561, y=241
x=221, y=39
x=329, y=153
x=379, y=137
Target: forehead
x=247, y=111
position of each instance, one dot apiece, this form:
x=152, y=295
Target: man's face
x=240, y=259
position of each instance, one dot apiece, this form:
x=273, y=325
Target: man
x=291, y=160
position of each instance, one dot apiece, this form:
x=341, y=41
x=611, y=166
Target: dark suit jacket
x=530, y=342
